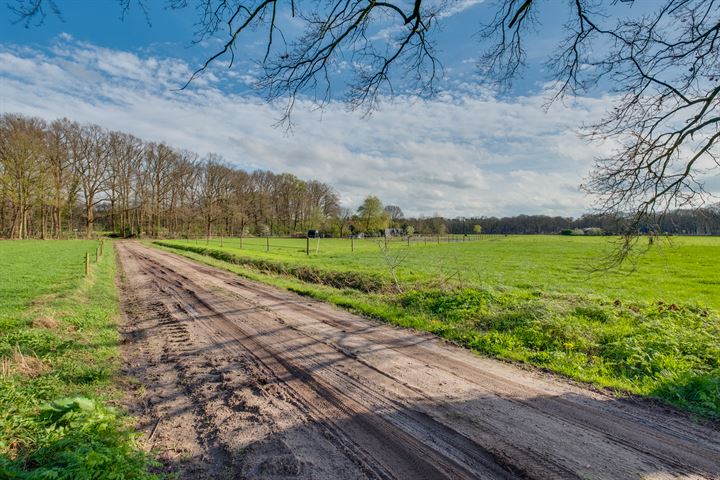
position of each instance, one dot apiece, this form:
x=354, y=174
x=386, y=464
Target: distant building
x=394, y=232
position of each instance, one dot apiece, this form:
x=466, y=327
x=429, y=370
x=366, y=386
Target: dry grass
x=26, y=365
x=46, y=322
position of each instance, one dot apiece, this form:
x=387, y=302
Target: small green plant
x=79, y=438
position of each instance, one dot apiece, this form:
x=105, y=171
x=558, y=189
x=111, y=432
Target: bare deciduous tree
x=663, y=71
x=22, y=174
x=64, y=173
x=90, y=151
x=395, y=213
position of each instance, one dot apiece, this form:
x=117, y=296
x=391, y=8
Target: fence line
x=268, y=242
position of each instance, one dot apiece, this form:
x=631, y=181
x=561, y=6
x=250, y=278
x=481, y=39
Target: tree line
x=374, y=218
x=700, y=221
x=62, y=178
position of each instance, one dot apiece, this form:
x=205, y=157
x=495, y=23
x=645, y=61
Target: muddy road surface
x=241, y=380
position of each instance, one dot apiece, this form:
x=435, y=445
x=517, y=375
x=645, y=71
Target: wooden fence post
x=352, y=244
x=307, y=245
x=87, y=263
x=267, y=244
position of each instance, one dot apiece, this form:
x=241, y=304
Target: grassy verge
x=665, y=351
x=60, y=357
x=674, y=269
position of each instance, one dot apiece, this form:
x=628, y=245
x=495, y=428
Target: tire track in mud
x=618, y=425
x=288, y=387
x=630, y=434
x=400, y=453
x=204, y=424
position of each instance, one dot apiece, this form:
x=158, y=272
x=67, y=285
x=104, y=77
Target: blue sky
x=466, y=152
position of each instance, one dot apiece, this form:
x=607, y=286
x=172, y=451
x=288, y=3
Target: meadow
x=677, y=269
x=650, y=328
x=59, y=349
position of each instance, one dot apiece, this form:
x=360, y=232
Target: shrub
x=80, y=439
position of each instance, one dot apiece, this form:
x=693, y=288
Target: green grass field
x=651, y=329
x=60, y=356
x=683, y=269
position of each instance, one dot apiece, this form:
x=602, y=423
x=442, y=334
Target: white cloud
x=458, y=6
x=456, y=155
x=444, y=9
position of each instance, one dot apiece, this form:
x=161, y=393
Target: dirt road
x=241, y=380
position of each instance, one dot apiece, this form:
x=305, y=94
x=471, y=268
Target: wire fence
x=316, y=245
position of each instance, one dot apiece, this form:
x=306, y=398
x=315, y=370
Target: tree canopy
x=372, y=216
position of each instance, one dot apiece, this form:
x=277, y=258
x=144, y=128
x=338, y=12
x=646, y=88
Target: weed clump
x=45, y=321
x=75, y=438
x=666, y=351
x=25, y=365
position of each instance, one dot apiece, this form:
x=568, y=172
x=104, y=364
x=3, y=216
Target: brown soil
x=242, y=380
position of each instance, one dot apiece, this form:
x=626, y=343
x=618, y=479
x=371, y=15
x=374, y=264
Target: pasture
x=679, y=269
x=59, y=349
x=651, y=328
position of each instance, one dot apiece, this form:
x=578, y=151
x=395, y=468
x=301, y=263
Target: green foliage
x=454, y=305
x=59, y=348
x=79, y=438
x=532, y=300
x=338, y=279
x=372, y=216
x=666, y=351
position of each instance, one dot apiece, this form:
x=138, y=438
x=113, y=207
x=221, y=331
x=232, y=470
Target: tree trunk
x=43, y=222
x=89, y=219
x=57, y=222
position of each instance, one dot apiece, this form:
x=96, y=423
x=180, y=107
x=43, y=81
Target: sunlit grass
x=681, y=269
x=651, y=329
x=59, y=352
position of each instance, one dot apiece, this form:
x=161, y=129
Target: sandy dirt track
x=241, y=380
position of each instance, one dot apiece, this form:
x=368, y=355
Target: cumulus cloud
x=458, y=155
